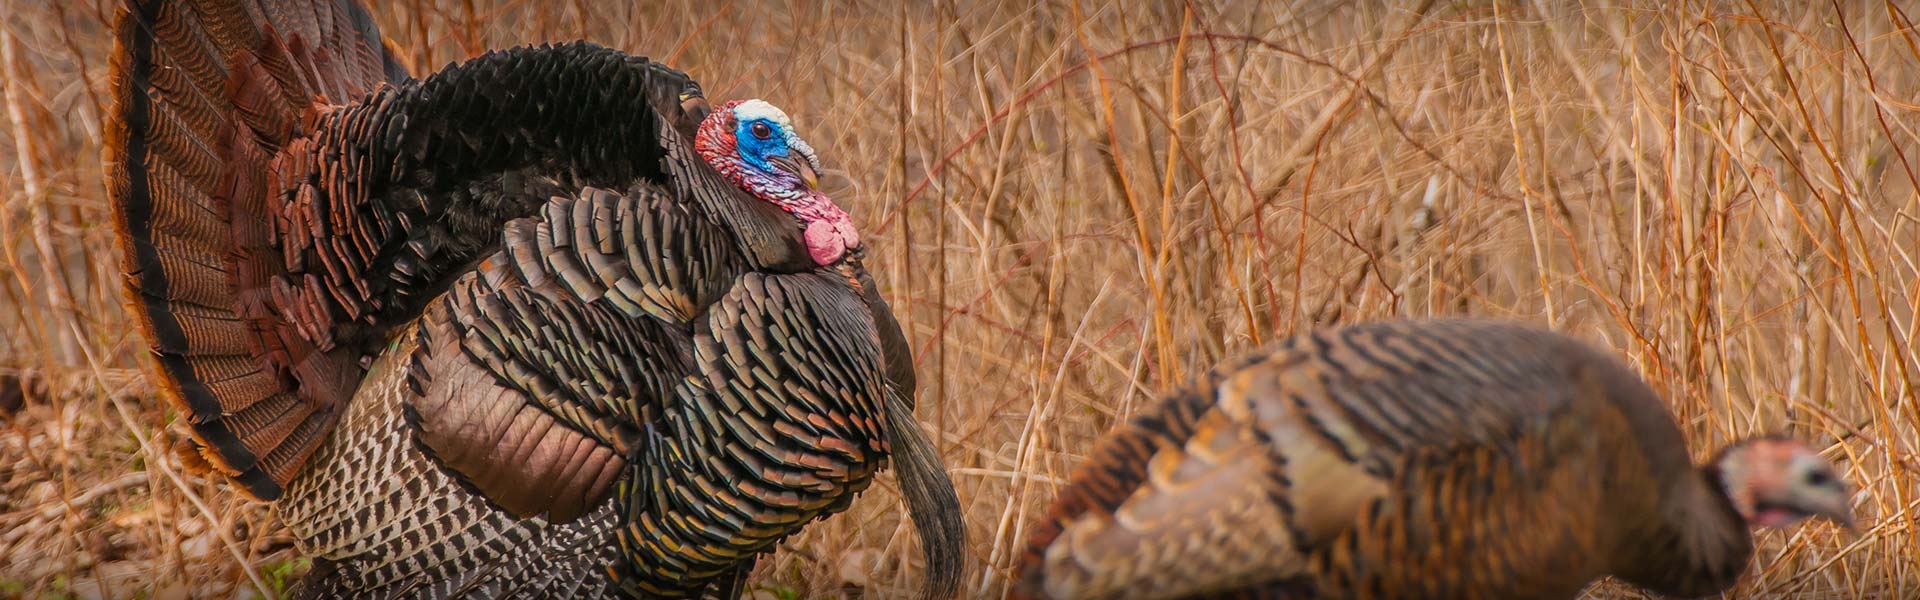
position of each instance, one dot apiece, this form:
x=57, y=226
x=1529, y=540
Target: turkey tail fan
x=284, y=197
x=931, y=501
x=205, y=93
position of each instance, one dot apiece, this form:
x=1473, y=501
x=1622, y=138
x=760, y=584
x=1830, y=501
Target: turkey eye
x=1818, y=478
x=762, y=131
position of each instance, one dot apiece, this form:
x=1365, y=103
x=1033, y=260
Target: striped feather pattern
x=206, y=93
x=1413, y=459
x=382, y=519
x=780, y=428
x=712, y=433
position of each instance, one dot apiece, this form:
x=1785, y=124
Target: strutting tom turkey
x=1415, y=459
x=544, y=323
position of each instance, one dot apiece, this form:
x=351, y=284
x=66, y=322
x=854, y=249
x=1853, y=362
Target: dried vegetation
x=1075, y=204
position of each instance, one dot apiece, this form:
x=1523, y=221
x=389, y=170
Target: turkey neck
x=1676, y=532
x=1700, y=545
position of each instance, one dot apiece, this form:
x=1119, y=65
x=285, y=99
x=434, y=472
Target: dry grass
x=1076, y=204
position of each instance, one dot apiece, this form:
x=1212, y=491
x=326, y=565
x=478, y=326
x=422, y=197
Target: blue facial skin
x=756, y=151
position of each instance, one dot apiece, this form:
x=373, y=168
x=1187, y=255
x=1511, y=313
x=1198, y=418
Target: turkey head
x=754, y=145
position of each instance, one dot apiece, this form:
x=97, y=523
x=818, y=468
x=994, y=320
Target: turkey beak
x=798, y=165
x=807, y=175
x=1831, y=503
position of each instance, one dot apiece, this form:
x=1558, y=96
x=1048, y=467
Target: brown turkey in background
x=1416, y=459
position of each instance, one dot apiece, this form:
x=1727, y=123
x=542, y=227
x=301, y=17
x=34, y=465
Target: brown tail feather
x=207, y=91
x=266, y=423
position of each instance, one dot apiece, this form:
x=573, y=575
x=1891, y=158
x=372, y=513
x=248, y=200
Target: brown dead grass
x=1076, y=204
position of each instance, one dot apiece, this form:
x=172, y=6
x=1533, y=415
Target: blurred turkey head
x=754, y=145
x=1777, y=481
